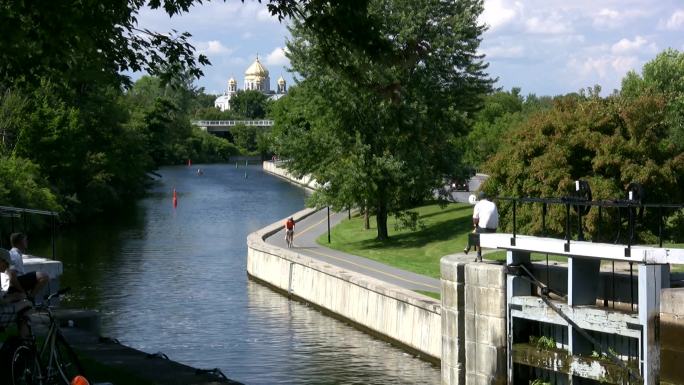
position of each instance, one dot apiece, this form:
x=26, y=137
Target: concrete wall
x=473, y=323
x=273, y=168
x=672, y=336
x=403, y=316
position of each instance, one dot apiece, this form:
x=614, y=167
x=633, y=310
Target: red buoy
x=175, y=199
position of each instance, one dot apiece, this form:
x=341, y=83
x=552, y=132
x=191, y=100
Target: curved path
x=314, y=225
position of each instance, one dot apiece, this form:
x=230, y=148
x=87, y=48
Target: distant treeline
x=83, y=151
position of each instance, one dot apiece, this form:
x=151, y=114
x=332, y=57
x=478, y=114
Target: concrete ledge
x=403, y=316
x=305, y=181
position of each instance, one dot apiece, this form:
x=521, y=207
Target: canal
x=173, y=280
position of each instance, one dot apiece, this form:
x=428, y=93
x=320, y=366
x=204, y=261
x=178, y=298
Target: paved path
x=313, y=226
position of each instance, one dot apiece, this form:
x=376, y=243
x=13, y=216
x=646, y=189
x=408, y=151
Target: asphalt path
x=310, y=228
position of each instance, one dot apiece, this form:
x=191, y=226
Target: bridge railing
x=233, y=123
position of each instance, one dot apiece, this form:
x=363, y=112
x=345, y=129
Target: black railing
x=633, y=210
x=23, y=215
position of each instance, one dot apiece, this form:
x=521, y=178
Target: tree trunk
x=366, y=218
x=381, y=219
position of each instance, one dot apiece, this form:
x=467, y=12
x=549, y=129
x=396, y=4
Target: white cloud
x=504, y=51
x=277, y=57
x=552, y=25
x=675, y=22
x=608, y=18
x=498, y=13
x=639, y=44
x=214, y=47
x=603, y=66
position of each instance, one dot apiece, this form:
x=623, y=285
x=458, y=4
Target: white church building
x=256, y=78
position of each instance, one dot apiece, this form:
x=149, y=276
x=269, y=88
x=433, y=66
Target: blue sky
x=546, y=47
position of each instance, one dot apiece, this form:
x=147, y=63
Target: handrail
x=18, y=212
x=579, y=202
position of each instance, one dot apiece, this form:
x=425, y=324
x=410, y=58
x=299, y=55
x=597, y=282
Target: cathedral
x=256, y=78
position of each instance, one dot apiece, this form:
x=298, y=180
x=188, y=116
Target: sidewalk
x=315, y=225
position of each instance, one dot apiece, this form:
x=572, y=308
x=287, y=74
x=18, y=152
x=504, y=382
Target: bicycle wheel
x=25, y=367
x=66, y=360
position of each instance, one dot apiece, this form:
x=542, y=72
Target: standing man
x=20, y=281
x=485, y=220
x=289, y=231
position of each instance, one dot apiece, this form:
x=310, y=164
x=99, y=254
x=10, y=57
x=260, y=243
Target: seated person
x=20, y=281
x=12, y=305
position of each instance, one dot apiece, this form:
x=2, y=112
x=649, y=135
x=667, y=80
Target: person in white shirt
x=30, y=283
x=14, y=303
x=485, y=220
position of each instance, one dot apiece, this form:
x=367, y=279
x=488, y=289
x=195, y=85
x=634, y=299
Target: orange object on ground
x=80, y=380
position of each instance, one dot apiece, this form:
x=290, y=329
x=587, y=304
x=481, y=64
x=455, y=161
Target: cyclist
x=289, y=231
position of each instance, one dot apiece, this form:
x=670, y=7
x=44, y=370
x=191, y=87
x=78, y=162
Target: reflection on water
x=174, y=281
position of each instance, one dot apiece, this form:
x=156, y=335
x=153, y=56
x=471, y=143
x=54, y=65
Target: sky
x=545, y=47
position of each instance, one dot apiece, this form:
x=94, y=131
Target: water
x=175, y=281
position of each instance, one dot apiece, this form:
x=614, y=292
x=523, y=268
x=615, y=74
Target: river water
x=174, y=280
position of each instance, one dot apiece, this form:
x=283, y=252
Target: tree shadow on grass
x=434, y=233
x=447, y=209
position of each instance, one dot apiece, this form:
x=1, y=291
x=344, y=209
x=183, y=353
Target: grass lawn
x=445, y=232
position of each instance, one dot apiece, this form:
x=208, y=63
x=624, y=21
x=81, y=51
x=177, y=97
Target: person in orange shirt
x=289, y=231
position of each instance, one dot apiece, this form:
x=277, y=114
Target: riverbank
x=407, y=318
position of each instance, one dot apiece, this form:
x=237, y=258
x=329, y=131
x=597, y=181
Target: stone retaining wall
x=305, y=181
x=473, y=322
x=403, y=316
x=672, y=336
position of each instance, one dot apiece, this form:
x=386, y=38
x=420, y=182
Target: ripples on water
x=174, y=281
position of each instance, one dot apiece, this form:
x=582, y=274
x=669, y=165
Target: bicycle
x=54, y=363
x=289, y=237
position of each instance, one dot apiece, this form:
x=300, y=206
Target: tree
x=609, y=142
x=378, y=128
x=663, y=75
x=250, y=104
x=76, y=41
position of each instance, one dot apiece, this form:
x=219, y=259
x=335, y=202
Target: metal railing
x=22, y=214
x=631, y=208
x=233, y=123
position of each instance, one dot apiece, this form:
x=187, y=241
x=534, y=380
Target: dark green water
x=174, y=280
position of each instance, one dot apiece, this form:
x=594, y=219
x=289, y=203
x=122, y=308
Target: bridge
x=225, y=125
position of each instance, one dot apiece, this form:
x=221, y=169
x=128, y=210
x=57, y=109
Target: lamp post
x=326, y=188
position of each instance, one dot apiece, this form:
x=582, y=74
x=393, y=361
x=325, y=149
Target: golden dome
x=231, y=81
x=256, y=69
x=281, y=80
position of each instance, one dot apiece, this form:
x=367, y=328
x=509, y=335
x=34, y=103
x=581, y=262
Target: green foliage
x=22, y=184
x=161, y=113
x=380, y=126
x=609, y=142
x=245, y=137
x=502, y=111
x=543, y=342
x=77, y=41
x=662, y=75
x=539, y=381
x=250, y=104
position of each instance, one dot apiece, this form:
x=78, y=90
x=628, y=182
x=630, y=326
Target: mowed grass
x=444, y=231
